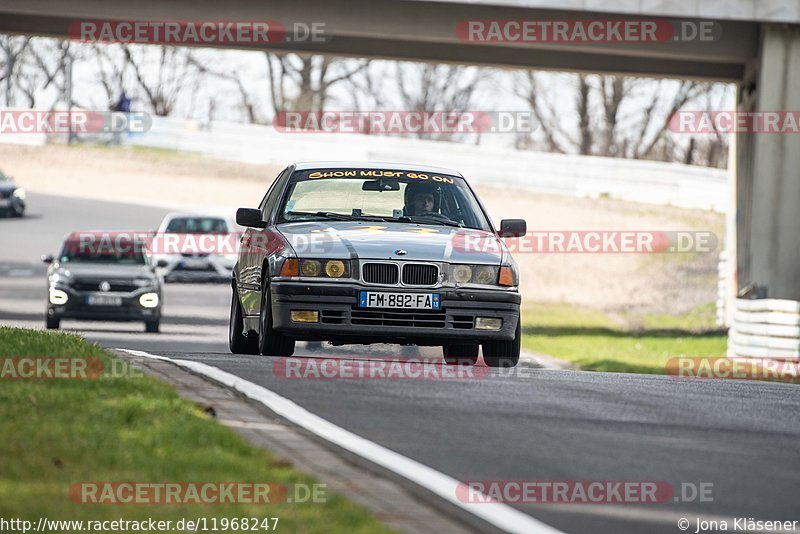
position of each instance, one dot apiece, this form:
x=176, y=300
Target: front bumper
x=77, y=307
x=340, y=318
x=189, y=269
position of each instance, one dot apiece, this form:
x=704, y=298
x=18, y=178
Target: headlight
x=143, y=282
x=310, y=268
x=19, y=193
x=59, y=278
x=149, y=300
x=334, y=268
x=484, y=275
x=462, y=273
x=58, y=297
x=324, y=268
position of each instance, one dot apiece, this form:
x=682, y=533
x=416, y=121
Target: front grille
x=413, y=319
x=120, y=287
x=194, y=254
x=381, y=273
x=420, y=274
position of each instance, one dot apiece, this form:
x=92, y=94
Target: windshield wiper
x=335, y=216
x=427, y=220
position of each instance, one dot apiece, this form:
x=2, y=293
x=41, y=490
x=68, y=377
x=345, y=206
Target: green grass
x=131, y=428
x=595, y=341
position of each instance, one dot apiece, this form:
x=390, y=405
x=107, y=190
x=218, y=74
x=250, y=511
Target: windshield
x=113, y=251
x=367, y=194
x=197, y=225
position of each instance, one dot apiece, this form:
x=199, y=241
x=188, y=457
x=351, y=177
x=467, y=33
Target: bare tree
x=613, y=116
x=160, y=82
x=13, y=49
x=429, y=88
x=302, y=82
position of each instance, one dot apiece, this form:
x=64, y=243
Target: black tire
x=271, y=342
x=238, y=341
x=52, y=323
x=17, y=209
x=503, y=353
x=462, y=354
x=152, y=327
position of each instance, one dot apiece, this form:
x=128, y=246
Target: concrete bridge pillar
x=768, y=206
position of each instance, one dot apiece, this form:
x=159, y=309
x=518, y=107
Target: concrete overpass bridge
x=757, y=47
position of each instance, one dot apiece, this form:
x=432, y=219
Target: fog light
x=304, y=316
x=58, y=297
x=149, y=300
x=488, y=323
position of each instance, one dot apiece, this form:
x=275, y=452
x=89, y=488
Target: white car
x=195, y=247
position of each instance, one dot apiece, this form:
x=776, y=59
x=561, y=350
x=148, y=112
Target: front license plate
x=103, y=300
x=412, y=301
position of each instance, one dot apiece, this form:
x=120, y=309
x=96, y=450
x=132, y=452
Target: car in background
x=12, y=197
x=360, y=253
x=195, y=247
x=102, y=276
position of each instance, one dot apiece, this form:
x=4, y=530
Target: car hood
x=382, y=240
x=95, y=271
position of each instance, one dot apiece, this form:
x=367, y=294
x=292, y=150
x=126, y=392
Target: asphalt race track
x=738, y=438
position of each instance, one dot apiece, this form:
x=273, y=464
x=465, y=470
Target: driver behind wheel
x=420, y=199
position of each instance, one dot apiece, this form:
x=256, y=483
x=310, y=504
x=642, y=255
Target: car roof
x=307, y=165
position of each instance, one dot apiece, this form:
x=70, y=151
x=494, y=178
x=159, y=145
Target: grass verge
x=595, y=341
x=128, y=427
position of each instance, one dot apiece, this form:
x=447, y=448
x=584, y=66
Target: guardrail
x=634, y=180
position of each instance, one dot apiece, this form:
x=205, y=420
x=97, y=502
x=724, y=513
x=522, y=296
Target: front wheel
x=238, y=341
x=503, y=353
x=460, y=354
x=270, y=341
x=152, y=327
x=52, y=323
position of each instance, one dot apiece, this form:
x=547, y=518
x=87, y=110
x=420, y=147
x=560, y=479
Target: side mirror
x=162, y=263
x=513, y=228
x=249, y=217
x=47, y=258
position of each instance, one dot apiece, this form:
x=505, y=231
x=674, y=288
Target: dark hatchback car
x=12, y=197
x=375, y=253
x=102, y=276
